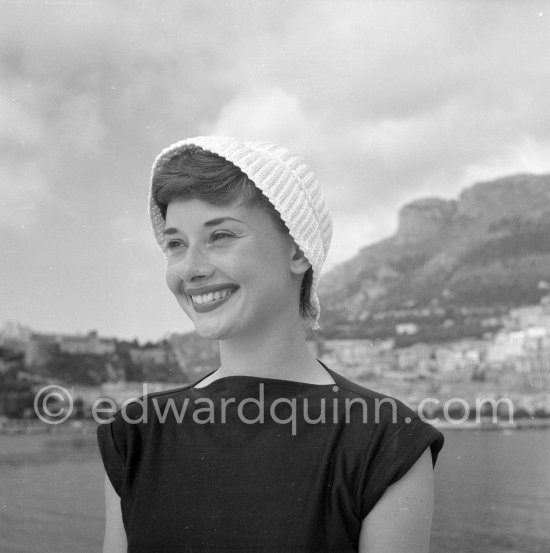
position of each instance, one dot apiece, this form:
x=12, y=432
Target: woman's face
x=230, y=268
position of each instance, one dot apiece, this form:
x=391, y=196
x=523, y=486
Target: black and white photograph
x=275, y=276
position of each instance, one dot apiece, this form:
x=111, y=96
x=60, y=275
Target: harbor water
x=492, y=493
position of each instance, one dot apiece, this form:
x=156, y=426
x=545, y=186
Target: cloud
x=132, y=235
x=262, y=113
x=18, y=125
x=387, y=101
x=523, y=156
x=23, y=191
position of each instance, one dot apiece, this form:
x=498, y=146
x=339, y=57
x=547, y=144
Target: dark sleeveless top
x=200, y=470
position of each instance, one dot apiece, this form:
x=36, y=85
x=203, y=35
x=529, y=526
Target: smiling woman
x=291, y=456
x=203, y=175
x=242, y=256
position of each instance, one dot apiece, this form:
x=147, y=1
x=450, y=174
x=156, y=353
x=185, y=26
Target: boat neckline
x=262, y=378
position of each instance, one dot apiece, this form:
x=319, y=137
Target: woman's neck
x=281, y=353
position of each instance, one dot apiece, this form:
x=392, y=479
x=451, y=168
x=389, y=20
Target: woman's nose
x=195, y=265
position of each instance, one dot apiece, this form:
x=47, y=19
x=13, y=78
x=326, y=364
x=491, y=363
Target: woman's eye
x=173, y=245
x=220, y=235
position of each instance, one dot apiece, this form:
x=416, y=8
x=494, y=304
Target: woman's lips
x=206, y=305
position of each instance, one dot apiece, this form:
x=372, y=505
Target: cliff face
x=524, y=196
x=491, y=246
x=424, y=219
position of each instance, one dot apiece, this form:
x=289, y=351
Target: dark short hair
x=198, y=174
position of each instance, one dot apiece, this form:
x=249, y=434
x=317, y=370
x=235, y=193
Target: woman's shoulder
x=152, y=405
x=384, y=405
x=386, y=423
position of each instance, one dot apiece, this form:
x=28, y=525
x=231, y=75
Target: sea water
x=492, y=493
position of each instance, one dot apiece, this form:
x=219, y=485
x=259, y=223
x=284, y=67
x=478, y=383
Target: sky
x=388, y=101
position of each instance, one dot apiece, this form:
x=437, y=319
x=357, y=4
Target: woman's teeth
x=212, y=296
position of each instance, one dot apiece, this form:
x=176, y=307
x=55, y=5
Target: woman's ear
x=298, y=263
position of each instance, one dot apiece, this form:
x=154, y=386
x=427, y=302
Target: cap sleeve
x=110, y=447
x=396, y=455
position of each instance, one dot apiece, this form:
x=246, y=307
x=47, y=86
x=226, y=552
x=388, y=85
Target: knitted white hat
x=285, y=179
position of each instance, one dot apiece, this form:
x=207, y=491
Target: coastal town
x=511, y=363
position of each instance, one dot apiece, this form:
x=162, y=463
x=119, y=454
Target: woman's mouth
x=209, y=300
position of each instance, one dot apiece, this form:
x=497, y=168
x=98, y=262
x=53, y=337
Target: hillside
x=488, y=250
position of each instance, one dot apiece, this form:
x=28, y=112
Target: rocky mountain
x=489, y=249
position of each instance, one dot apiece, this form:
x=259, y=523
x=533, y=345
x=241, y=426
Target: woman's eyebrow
x=219, y=220
x=209, y=223
x=171, y=230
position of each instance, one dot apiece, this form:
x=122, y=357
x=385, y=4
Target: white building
x=156, y=355
x=90, y=344
x=407, y=329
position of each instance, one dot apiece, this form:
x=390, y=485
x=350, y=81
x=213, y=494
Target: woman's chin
x=211, y=331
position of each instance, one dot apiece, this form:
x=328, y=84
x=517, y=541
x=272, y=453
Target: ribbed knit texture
x=285, y=179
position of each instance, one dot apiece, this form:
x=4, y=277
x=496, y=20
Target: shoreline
x=11, y=427
x=489, y=424
x=88, y=426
